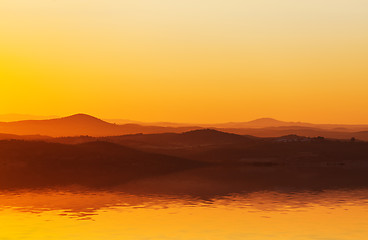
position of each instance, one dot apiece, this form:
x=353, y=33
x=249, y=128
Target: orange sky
x=186, y=61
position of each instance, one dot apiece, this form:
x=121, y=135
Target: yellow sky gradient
x=186, y=61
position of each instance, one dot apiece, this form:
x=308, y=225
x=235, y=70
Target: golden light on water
x=256, y=216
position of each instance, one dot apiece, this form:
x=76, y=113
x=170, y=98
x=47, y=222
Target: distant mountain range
x=258, y=123
x=82, y=124
x=270, y=122
x=21, y=117
x=81, y=150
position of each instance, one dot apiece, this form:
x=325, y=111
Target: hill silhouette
x=20, y=117
x=79, y=124
x=83, y=125
x=221, y=147
x=96, y=163
x=270, y=122
x=257, y=123
x=191, y=139
x=202, y=137
x=298, y=130
x=114, y=160
x=23, y=137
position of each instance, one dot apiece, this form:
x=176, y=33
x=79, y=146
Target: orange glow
x=186, y=61
x=258, y=216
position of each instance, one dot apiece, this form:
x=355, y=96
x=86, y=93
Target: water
x=215, y=204
x=82, y=214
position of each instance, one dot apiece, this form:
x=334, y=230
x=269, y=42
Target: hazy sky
x=186, y=61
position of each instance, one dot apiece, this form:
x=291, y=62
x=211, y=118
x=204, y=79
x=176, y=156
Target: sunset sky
x=186, y=61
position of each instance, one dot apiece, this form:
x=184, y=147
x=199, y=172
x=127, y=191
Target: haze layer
x=186, y=61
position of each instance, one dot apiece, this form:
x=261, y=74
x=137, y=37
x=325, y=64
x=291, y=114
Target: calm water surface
x=96, y=214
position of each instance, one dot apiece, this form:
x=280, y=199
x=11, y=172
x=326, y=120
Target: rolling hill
x=27, y=163
x=270, y=122
x=85, y=125
x=80, y=124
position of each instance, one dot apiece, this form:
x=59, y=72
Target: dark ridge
x=25, y=163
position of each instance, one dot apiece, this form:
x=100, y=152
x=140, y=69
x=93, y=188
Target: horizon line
x=37, y=117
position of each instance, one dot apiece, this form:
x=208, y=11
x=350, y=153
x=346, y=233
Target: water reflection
x=255, y=204
x=83, y=204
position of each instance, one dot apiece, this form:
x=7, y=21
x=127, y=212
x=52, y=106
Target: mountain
x=23, y=137
x=192, y=139
x=220, y=147
x=21, y=117
x=257, y=123
x=270, y=122
x=297, y=130
x=262, y=122
x=160, y=124
x=80, y=124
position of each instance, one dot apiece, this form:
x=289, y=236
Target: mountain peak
x=81, y=117
x=203, y=131
x=265, y=120
x=209, y=132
